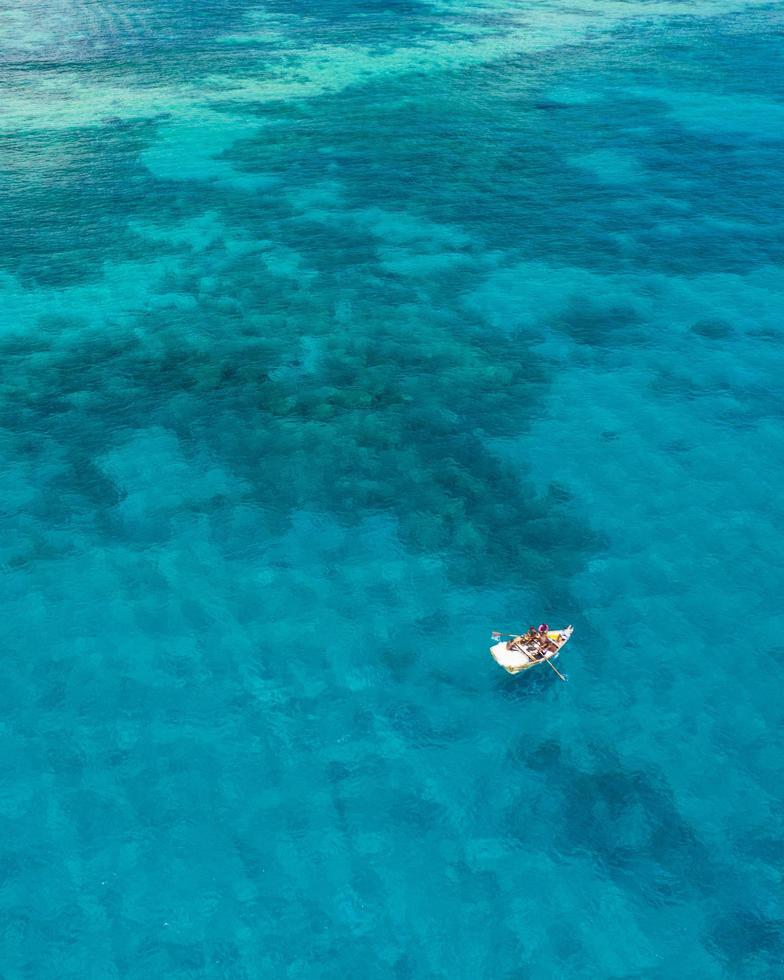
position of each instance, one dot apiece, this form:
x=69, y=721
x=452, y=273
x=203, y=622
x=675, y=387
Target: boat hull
x=516, y=661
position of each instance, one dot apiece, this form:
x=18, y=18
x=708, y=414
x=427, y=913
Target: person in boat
x=542, y=640
x=548, y=645
x=520, y=641
x=523, y=642
x=526, y=643
x=527, y=647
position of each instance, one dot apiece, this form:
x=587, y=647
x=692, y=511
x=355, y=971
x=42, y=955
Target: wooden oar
x=549, y=662
x=555, y=669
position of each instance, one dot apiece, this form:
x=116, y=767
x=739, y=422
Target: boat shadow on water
x=534, y=684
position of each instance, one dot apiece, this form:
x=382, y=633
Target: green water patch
x=390, y=421
x=518, y=183
x=58, y=227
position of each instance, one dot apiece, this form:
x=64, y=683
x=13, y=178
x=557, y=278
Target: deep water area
x=333, y=337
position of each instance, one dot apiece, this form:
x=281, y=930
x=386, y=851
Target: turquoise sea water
x=331, y=338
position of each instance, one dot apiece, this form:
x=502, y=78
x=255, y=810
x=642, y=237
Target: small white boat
x=517, y=654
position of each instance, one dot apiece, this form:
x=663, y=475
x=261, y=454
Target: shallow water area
x=331, y=340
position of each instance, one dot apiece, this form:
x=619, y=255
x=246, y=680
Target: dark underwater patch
x=747, y=940
x=713, y=329
x=627, y=821
x=383, y=404
x=517, y=184
x=599, y=326
x=58, y=229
